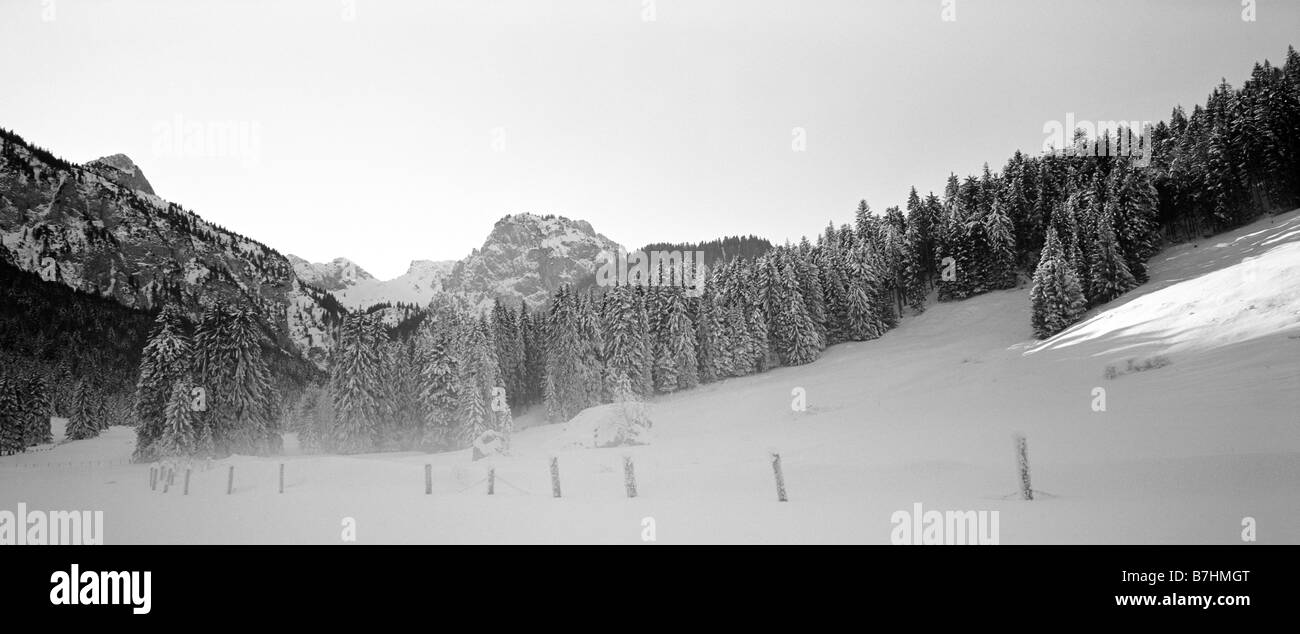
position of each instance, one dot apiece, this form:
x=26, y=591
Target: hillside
x=99, y=229
x=924, y=414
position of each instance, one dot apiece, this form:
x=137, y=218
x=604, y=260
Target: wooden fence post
x=1022, y=466
x=555, y=477
x=629, y=477
x=780, y=478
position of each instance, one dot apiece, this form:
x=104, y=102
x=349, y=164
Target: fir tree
x=626, y=352
x=178, y=439
x=1109, y=276
x=165, y=360
x=81, y=423
x=38, y=410
x=11, y=421
x=1057, y=299
x=356, y=384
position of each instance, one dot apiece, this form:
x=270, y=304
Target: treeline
x=63, y=353
x=720, y=249
x=206, y=394
x=440, y=388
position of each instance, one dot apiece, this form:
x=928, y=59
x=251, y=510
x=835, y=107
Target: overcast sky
x=388, y=131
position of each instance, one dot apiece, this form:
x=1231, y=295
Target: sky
x=387, y=131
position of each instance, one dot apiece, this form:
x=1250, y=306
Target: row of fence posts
x=166, y=475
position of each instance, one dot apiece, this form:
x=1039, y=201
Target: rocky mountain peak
x=120, y=169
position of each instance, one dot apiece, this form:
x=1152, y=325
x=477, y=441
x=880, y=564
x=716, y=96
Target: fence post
x=492, y=480
x=281, y=477
x=629, y=477
x=153, y=478
x=428, y=479
x=780, y=478
x=230, y=480
x=1022, y=466
x=555, y=477
x=187, y=481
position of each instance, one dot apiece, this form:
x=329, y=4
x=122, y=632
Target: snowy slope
x=925, y=414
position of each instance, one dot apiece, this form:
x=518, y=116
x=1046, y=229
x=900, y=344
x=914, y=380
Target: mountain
x=97, y=228
x=121, y=170
x=357, y=289
x=528, y=257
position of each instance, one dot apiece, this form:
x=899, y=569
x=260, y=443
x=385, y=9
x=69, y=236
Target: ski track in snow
x=924, y=414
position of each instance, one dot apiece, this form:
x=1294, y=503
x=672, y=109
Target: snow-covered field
x=1207, y=435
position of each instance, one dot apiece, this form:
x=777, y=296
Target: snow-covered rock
x=608, y=425
x=120, y=169
x=528, y=257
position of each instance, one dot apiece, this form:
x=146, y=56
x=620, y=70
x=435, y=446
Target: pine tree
x=1109, y=274
x=11, y=427
x=509, y=341
x=626, y=351
x=572, y=374
x=1057, y=299
x=1002, y=246
x=81, y=423
x=710, y=342
x=38, y=411
x=178, y=439
x=252, y=396
x=794, y=334
x=356, y=384
x=436, y=347
x=675, y=360
x=165, y=360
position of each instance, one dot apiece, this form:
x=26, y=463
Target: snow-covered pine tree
x=252, y=395
x=81, y=422
x=762, y=358
x=1136, y=225
x=914, y=269
x=38, y=410
x=404, y=428
x=795, y=336
x=1002, y=247
x=213, y=371
x=165, y=360
x=509, y=343
x=626, y=351
x=1109, y=274
x=1056, y=298
x=709, y=343
x=477, y=375
x=436, y=347
x=313, y=419
x=178, y=439
x=356, y=384
x=810, y=287
x=678, y=344
x=11, y=419
x=572, y=380
x=835, y=294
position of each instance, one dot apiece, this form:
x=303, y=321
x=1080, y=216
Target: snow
x=1181, y=454
x=357, y=289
